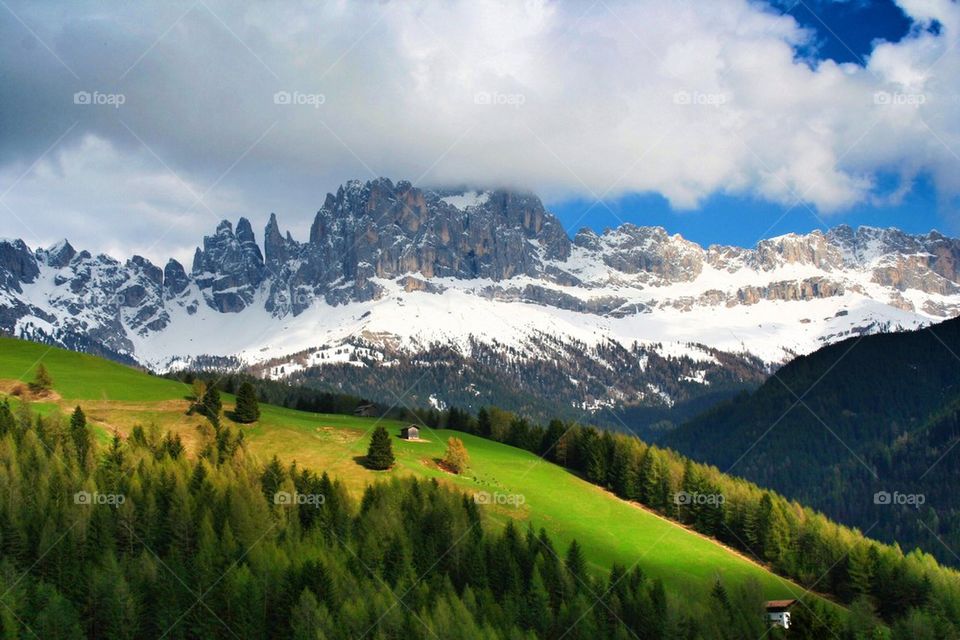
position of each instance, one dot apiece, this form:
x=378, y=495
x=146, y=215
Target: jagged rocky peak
x=633, y=249
x=230, y=267
x=277, y=248
x=378, y=229
x=175, y=279
x=57, y=255
x=813, y=248
x=17, y=264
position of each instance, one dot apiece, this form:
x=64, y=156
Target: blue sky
x=845, y=32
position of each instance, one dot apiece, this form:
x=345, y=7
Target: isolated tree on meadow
x=380, y=453
x=247, y=409
x=211, y=403
x=42, y=380
x=456, y=458
x=199, y=389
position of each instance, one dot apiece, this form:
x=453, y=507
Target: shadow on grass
x=362, y=461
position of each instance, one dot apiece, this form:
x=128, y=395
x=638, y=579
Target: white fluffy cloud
x=686, y=99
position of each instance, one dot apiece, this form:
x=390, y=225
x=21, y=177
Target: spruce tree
x=7, y=422
x=212, y=405
x=80, y=435
x=247, y=409
x=576, y=564
x=484, y=426
x=380, y=454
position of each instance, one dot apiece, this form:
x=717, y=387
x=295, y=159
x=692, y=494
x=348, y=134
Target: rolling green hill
x=116, y=397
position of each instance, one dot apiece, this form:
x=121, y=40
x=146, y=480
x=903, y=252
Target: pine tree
x=247, y=409
x=7, y=422
x=42, y=381
x=80, y=435
x=456, y=458
x=484, y=427
x=380, y=453
x=859, y=571
x=576, y=564
x=212, y=405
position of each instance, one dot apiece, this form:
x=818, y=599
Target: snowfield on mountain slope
x=411, y=321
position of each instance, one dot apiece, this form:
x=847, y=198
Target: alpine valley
x=470, y=297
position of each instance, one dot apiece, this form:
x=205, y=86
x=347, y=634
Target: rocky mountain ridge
x=400, y=270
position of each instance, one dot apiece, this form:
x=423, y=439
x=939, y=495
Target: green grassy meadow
x=116, y=397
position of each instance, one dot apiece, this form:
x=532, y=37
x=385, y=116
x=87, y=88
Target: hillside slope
x=116, y=397
x=867, y=415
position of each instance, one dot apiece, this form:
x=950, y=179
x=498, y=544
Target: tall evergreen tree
x=80, y=435
x=7, y=422
x=212, y=405
x=576, y=564
x=484, y=426
x=247, y=409
x=380, y=453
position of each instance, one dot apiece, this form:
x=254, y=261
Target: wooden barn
x=410, y=433
x=778, y=612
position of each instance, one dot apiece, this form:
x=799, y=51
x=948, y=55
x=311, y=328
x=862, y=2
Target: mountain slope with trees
x=867, y=416
x=139, y=541
x=611, y=531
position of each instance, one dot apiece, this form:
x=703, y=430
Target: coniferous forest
x=134, y=539
x=879, y=582
x=906, y=591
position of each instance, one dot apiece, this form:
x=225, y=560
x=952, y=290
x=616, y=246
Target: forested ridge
x=879, y=414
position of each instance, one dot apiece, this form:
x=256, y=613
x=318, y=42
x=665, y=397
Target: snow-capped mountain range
x=391, y=272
